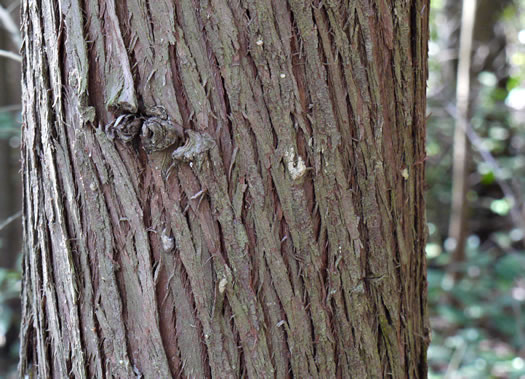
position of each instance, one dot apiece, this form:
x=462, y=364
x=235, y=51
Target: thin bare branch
x=9, y=220
x=477, y=143
x=10, y=55
x=10, y=25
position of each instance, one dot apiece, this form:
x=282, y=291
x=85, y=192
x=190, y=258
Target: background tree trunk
x=293, y=245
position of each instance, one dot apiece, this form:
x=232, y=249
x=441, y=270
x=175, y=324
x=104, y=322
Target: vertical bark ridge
x=136, y=270
x=208, y=300
x=114, y=70
x=83, y=314
x=108, y=307
x=143, y=324
x=59, y=279
x=292, y=248
x=174, y=296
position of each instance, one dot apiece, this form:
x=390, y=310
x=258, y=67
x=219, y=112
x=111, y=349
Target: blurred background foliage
x=475, y=298
x=10, y=187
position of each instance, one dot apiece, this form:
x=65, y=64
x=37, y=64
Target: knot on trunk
x=196, y=143
x=126, y=127
x=158, y=134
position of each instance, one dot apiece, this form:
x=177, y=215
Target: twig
x=11, y=7
x=10, y=55
x=508, y=192
x=455, y=361
x=10, y=220
x=10, y=26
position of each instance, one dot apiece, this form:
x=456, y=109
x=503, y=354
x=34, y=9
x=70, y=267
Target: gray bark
x=275, y=230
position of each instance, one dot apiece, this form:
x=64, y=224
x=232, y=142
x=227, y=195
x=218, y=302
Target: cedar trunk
x=288, y=242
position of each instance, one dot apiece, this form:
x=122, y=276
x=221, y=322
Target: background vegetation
x=476, y=305
x=476, y=301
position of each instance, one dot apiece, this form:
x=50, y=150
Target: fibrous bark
x=283, y=235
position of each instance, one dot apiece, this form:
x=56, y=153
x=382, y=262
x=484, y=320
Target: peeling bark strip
x=267, y=222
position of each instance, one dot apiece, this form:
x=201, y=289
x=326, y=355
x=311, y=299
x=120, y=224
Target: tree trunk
x=220, y=188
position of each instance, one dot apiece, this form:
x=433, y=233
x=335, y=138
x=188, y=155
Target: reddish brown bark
x=281, y=233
